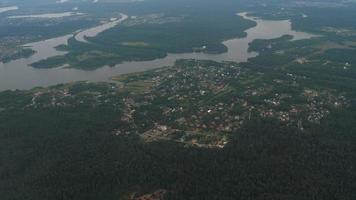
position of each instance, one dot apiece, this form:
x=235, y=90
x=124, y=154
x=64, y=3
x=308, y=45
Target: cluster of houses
x=214, y=99
x=156, y=195
x=64, y=97
x=195, y=99
x=7, y=47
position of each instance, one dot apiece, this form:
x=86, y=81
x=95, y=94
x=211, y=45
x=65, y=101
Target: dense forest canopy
x=279, y=126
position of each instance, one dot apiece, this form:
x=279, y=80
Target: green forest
x=280, y=126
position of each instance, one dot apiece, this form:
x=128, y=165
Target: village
x=205, y=102
x=198, y=103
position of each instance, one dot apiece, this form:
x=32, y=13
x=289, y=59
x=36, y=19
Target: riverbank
x=18, y=74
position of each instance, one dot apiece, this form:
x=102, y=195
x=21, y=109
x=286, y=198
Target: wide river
x=19, y=75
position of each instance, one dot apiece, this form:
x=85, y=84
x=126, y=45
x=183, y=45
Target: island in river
x=18, y=75
x=281, y=125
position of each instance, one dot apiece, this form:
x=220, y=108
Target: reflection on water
x=48, y=15
x=18, y=75
x=45, y=49
x=92, y=32
x=9, y=8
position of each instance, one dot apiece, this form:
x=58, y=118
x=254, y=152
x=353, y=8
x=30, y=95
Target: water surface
x=47, y=15
x=18, y=75
x=9, y=8
x=92, y=32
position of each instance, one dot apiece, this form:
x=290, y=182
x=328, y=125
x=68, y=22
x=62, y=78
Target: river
x=9, y=8
x=93, y=32
x=47, y=15
x=19, y=75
